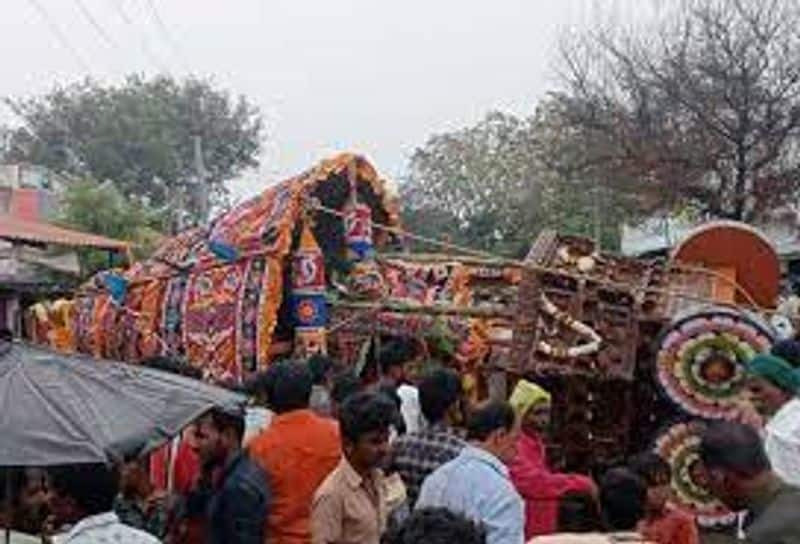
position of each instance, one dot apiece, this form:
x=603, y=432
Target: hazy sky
x=375, y=76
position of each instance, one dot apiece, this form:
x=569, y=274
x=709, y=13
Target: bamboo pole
x=493, y=311
x=436, y=258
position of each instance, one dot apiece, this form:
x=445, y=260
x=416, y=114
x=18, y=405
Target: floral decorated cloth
x=213, y=295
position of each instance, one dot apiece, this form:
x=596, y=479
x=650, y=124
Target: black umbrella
x=63, y=409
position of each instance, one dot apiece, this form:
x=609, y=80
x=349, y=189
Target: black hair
x=261, y=383
x=579, y=513
x=225, y=420
x=623, y=495
x=364, y=413
x=319, y=365
x=391, y=393
x=6, y=335
x=435, y=526
x=173, y=365
x=93, y=487
x=488, y=418
x=438, y=391
x=291, y=388
x=396, y=352
x=651, y=467
x=789, y=351
x=345, y=383
x=735, y=447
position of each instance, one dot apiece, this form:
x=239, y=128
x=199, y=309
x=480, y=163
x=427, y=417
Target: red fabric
x=186, y=469
x=540, y=487
x=298, y=450
x=674, y=527
x=159, y=467
x=185, y=473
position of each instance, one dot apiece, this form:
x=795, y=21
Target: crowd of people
x=330, y=460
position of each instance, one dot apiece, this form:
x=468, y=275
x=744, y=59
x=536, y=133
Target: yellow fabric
x=526, y=395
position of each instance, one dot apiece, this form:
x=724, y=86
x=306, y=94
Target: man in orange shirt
x=298, y=451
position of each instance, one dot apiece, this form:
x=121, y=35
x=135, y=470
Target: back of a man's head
x=260, y=385
x=733, y=447
x=623, y=495
x=92, y=487
x=226, y=421
x=435, y=526
x=396, y=352
x=291, y=387
x=651, y=467
x=579, y=513
x=490, y=417
x=345, y=384
x=320, y=366
x=439, y=390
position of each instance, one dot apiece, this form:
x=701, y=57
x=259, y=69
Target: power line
x=60, y=36
x=164, y=31
x=151, y=56
x=96, y=25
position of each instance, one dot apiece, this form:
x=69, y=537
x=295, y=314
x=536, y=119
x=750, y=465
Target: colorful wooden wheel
x=701, y=359
x=738, y=252
x=679, y=445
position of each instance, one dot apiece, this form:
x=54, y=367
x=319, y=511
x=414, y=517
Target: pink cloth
x=540, y=487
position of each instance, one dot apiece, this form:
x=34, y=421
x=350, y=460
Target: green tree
x=491, y=186
x=141, y=134
x=100, y=208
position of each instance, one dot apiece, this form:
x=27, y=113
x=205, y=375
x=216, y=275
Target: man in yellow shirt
x=350, y=505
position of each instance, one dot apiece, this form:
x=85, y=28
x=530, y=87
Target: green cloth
x=777, y=371
x=526, y=395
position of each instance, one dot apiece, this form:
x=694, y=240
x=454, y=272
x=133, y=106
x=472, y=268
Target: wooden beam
x=437, y=258
x=493, y=311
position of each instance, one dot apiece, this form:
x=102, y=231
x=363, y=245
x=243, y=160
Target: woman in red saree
x=540, y=487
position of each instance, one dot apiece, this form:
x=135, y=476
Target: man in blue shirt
x=233, y=493
x=477, y=483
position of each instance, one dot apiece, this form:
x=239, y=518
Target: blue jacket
x=236, y=511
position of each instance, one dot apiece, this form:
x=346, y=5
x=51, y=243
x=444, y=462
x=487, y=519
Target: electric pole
x=202, y=193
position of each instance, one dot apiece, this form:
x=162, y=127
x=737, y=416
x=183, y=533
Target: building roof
x=24, y=230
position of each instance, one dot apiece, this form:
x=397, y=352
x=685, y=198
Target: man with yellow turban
x=540, y=487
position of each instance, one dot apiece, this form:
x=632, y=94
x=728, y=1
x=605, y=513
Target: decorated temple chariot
x=639, y=353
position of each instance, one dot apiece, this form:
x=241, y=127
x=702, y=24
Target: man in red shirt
x=540, y=487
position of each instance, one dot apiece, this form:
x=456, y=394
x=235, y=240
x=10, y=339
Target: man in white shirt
x=397, y=360
x=82, y=499
x=773, y=385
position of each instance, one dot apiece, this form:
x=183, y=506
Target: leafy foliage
x=141, y=135
x=103, y=209
x=490, y=186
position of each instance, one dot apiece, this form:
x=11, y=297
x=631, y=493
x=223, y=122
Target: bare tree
x=701, y=110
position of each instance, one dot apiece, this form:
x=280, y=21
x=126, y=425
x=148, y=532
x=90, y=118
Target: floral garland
x=701, y=360
x=584, y=263
x=588, y=348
